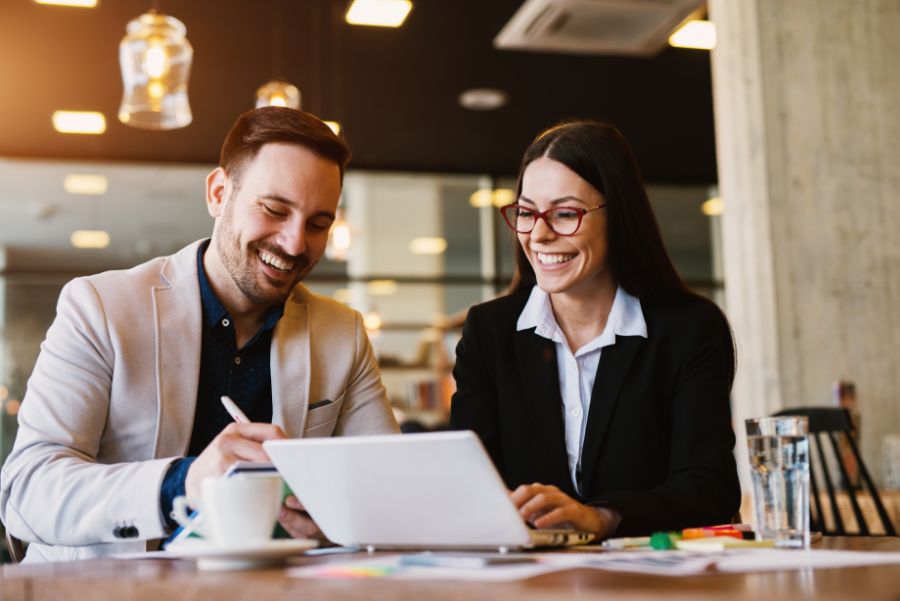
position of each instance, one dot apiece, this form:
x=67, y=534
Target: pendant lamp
x=278, y=92
x=155, y=57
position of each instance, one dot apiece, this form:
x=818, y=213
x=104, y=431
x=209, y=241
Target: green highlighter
x=663, y=541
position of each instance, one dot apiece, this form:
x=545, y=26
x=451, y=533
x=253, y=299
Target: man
x=122, y=412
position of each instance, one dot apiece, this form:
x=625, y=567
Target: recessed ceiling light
x=378, y=13
x=483, y=99
x=427, y=246
x=89, y=239
x=80, y=183
x=700, y=35
x=712, y=207
x=76, y=3
x=79, y=122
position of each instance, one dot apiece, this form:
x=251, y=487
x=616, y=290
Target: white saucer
x=212, y=557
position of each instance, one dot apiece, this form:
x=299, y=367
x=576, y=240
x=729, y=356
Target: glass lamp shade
x=278, y=93
x=155, y=57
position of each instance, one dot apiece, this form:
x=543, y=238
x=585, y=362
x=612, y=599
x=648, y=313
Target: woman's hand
x=545, y=506
x=296, y=522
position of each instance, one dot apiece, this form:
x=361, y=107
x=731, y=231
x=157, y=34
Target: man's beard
x=242, y=272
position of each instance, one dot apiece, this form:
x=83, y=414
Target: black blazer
x=658, y=442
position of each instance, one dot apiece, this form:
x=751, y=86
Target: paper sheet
x=389, y=567
x=683, y=563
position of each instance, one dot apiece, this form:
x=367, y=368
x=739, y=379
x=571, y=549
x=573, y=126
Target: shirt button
x=576, y=412
x=237, y=360
x=225, y=322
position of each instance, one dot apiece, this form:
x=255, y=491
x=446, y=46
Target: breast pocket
x=321, y=421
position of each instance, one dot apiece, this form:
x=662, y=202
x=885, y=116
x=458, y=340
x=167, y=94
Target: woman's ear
x=216, y=182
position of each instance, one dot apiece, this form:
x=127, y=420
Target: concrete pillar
x=807, y=105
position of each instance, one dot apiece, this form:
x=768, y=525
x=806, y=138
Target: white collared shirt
x=577, y=371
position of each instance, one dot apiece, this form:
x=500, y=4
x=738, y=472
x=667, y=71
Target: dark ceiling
x=394, y=90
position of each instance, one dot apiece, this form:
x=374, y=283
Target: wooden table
x=158, y=580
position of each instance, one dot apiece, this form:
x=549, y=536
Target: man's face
x=272, y=221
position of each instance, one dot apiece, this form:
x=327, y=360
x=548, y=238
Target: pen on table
x=627, y=542
x=234, y=411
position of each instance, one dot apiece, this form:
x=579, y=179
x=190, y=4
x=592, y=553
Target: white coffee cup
x=233, y=512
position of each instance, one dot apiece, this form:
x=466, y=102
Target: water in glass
x=779, y=465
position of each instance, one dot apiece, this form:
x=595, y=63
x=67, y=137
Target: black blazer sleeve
x=474, y=404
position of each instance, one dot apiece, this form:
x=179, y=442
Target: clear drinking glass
x=779, y=466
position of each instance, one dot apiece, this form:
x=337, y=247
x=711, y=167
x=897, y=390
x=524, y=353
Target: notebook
x=432, y=490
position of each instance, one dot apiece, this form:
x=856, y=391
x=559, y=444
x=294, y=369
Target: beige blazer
x=111, y=402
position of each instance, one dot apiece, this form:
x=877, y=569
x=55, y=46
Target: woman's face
x=564, y=264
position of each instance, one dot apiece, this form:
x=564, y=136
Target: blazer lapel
x=290, y=367
x=178, y=319
x=536, y=357
x=615, y=362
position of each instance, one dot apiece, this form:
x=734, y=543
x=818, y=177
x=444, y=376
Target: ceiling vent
x=629, y=27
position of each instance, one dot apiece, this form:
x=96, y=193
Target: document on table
x=392, y=567
x=684, y=563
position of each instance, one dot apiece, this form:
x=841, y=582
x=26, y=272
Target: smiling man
x=123, y=408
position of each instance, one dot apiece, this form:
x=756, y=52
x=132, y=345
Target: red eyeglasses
x=563, y=221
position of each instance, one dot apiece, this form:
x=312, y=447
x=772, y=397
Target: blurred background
x=113, y=112
x=419, y=237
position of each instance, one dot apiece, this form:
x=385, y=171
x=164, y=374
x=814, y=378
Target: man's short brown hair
x=273, y=124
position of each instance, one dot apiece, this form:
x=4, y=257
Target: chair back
x=831, y=424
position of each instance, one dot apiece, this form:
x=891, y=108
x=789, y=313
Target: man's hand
x=296, y=522
x=546, y=506
x=237, y=442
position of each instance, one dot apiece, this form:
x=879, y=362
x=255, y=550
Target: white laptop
x=435, y=491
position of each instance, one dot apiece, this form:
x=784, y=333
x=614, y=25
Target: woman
x=600, y=385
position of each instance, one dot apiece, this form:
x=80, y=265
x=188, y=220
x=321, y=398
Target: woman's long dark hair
x=599, y=154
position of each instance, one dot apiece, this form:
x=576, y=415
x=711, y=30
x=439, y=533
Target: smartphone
x=264, y=468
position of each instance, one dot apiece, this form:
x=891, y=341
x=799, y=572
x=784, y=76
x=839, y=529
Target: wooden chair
x=15, y=547
x=831, y=424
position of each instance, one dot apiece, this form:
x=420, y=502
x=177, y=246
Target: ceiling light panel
x=378, y=13
x=699, y=35
x=79, y=122
x=75, y=3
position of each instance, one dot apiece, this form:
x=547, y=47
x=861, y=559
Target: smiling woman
x=600, y=385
